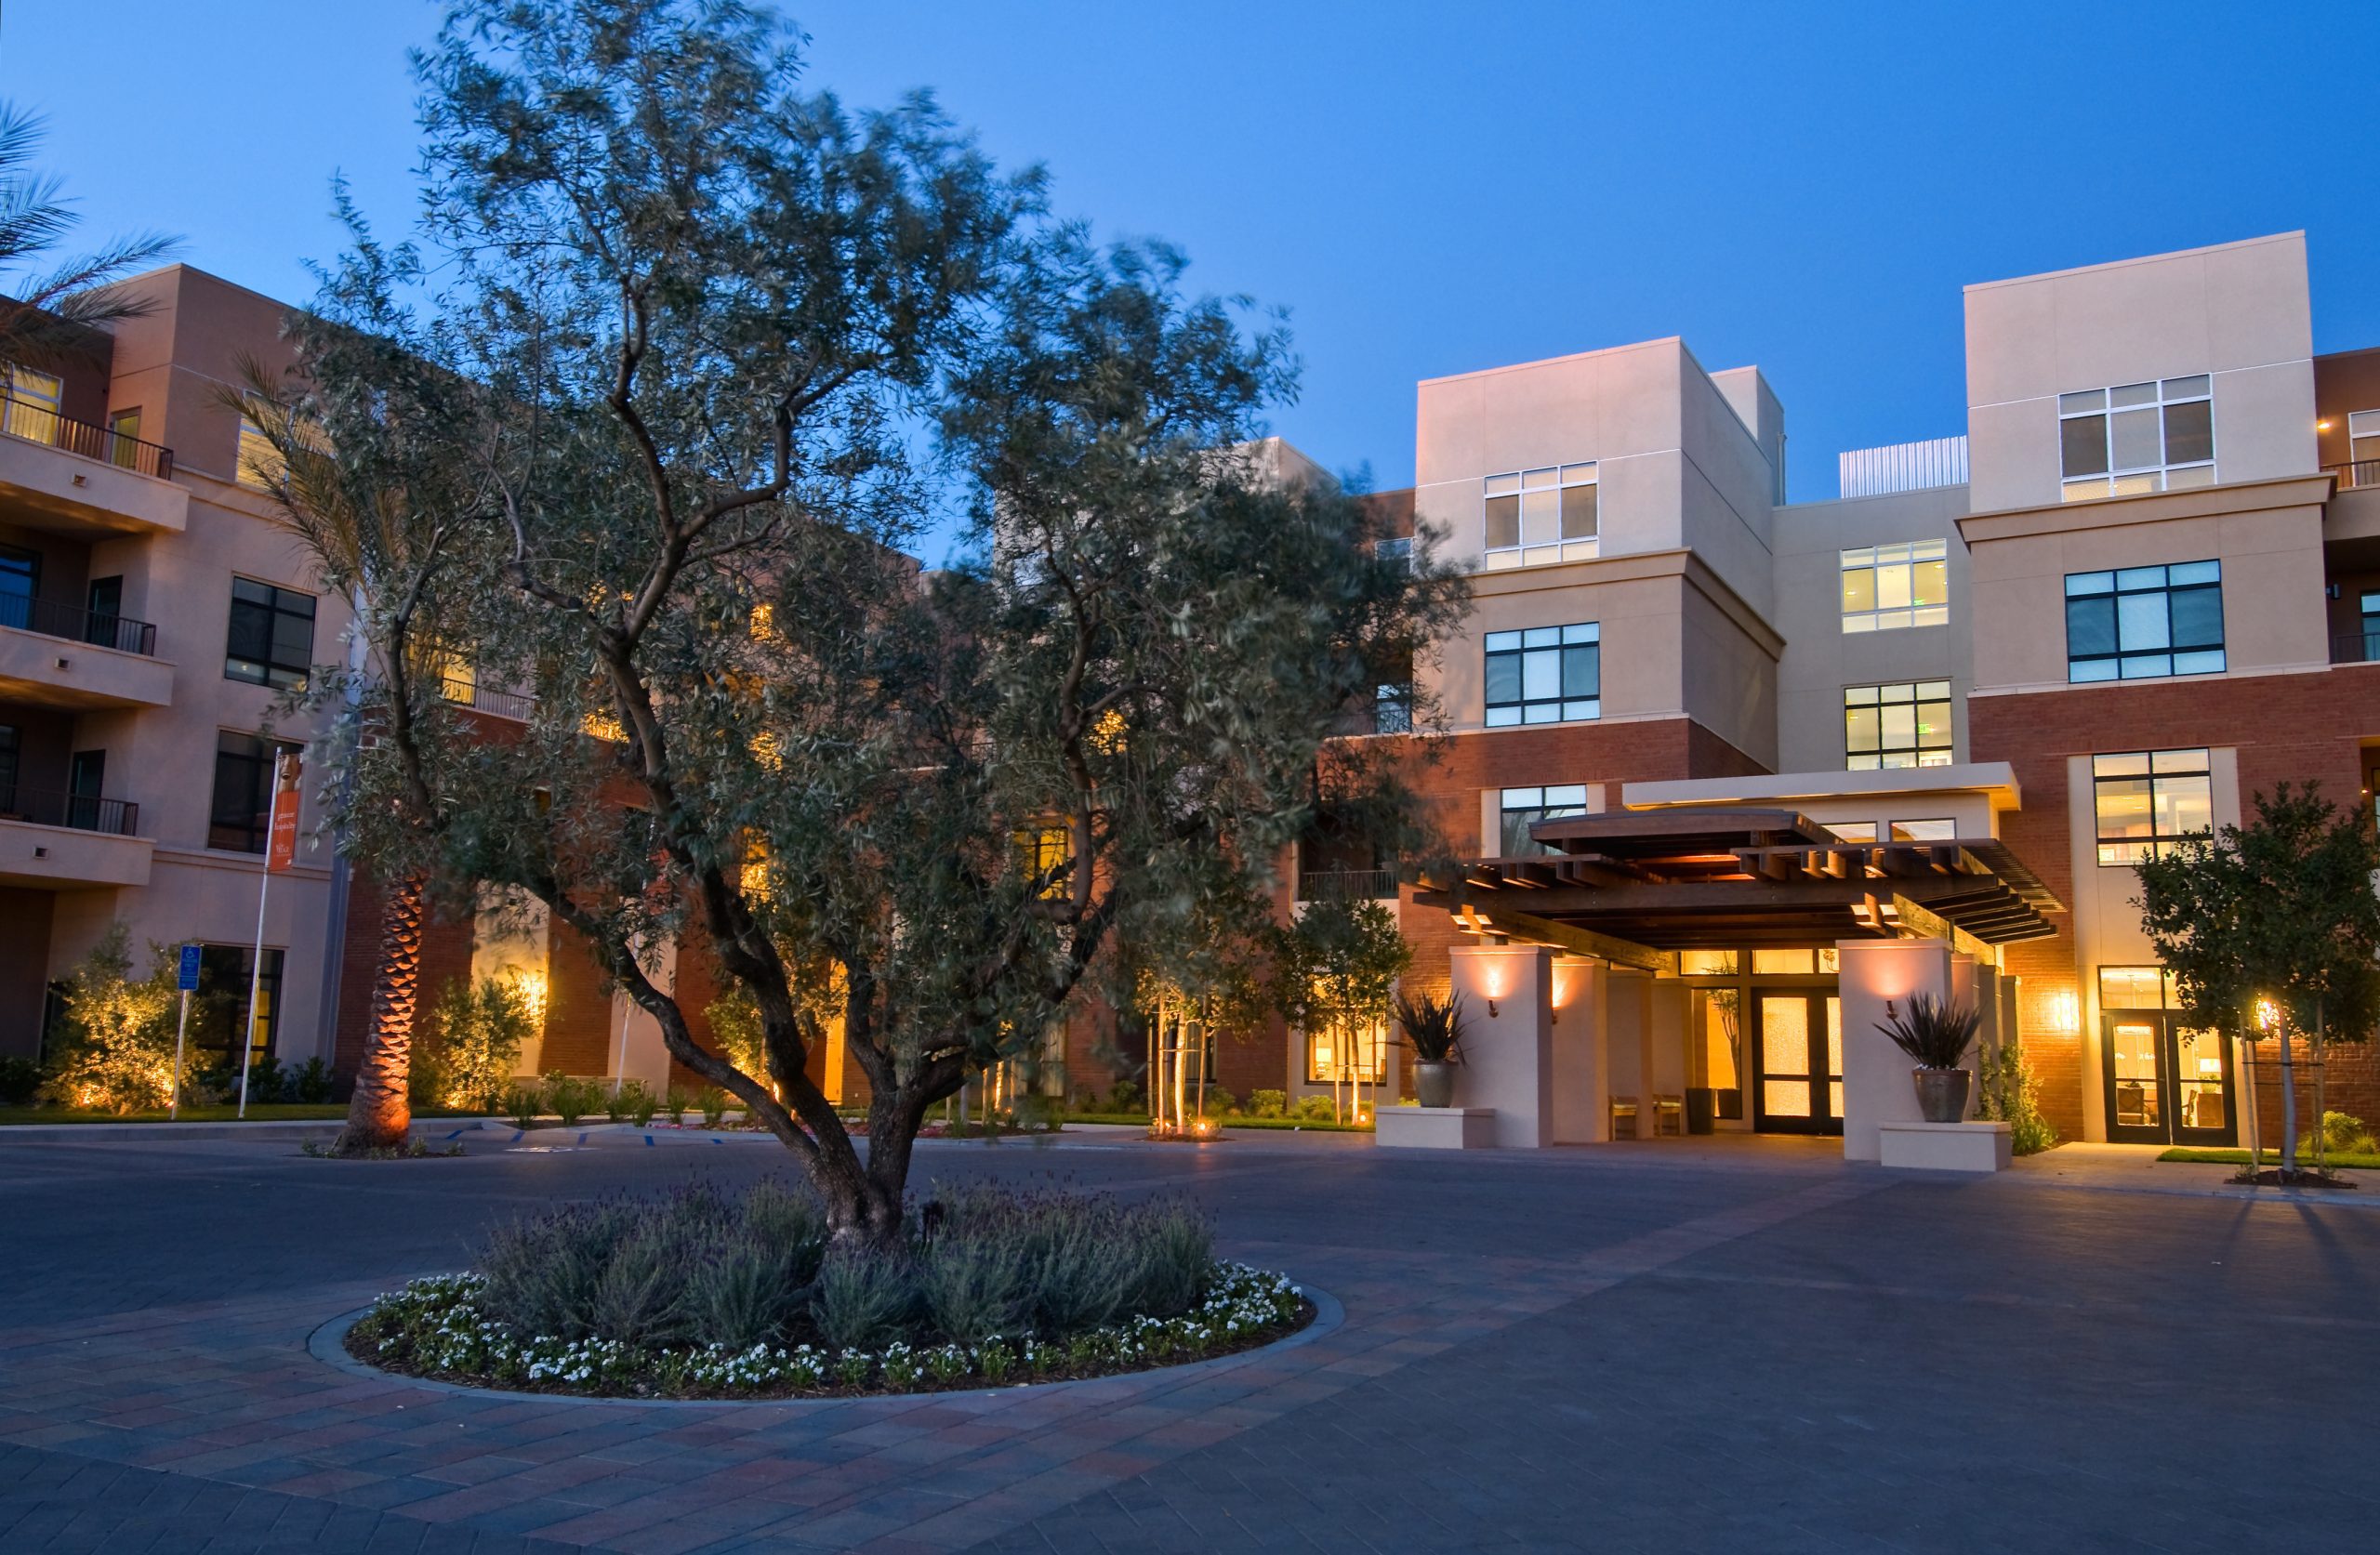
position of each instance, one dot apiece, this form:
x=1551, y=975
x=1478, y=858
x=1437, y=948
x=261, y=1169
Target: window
x=1392, y=709
x=1542, y=514
x=2364, y=440
x=1907, y=724
x=2137, y=988
x=2147, y=799
x=1522, y=806
x=1365, y=1060
x=123, y=438
x=1708, y=963
x=221, y=1006
x=1924, y=830
x=20, y=581
x=10, y=740
x=1853, y=831
x=1041, y=854
x=261, y=464
x=1544, y=675
x=1397, y=549
x=33, y=405
x=242, y=812
x=1797, y=963
x=2137, y=437
x=1886, y=588
x=2145, y=621
x=272, y=639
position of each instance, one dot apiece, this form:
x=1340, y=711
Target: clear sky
x=1428, y=188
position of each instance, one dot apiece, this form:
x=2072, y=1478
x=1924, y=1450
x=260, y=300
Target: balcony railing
x=2356, y=648
x=101, y=630
x=464, y=693
x=36, y=422
x=1346, y=885
x=83, y=813
x=2359, y=472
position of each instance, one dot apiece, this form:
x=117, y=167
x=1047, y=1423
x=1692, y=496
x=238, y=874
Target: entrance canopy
x=1709, y=877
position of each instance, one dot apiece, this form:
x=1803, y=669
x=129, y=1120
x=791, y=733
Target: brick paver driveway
x=1638, y=1348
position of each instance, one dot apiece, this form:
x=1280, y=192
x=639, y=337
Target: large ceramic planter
x=1942, y=1093
x=1434, y=1084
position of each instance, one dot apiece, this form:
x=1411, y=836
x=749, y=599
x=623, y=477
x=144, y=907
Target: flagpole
x=181, y=1033
x=280, y=852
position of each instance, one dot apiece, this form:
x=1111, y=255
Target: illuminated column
x=1581, y=1051
x=1876, y=1085
x=1508, y=1038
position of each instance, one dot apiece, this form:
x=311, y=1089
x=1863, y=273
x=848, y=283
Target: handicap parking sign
x=188, y=980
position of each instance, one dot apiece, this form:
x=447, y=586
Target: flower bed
x=434, y=1328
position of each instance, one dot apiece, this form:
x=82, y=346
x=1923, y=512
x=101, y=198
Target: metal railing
x=2354, y=648
x=1346, y=885
x=516, y=706
x=83, y=813
x=101, y=630
x=2357, y=472
x=36, y=422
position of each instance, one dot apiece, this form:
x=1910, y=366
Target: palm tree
x=48, y=306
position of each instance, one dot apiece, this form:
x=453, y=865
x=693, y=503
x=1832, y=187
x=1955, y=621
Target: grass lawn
x=1141, y=1120
x=258, y=1111
x=2271, y=1158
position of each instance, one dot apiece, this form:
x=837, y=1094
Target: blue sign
x=189, y=978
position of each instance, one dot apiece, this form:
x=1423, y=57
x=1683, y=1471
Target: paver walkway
x=1745, y=1347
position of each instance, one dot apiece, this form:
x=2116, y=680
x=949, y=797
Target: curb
x=261, y=1128
x=327, y=1344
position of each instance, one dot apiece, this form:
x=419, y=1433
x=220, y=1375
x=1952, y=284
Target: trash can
x=1700, y=1107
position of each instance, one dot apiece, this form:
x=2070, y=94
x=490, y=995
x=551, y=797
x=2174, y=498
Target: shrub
x=20, y=1079
x=573, y=1096
x=267, y=1080
x=478, y=1030
x=1125, y=1097
x=2007, y=1092
x=1313, y=1109
x=524, y=1106
x=1268, y=1103
x=1221, y=1101
x=635, y=1101
x=1935, y=1034
x=975, y=1287
x=2343, y=1133
x=713, y=1103
x=311, y=1084
x=117, y=1052
x=674, y=1103
x=1433, y=1026
x=862, y=1300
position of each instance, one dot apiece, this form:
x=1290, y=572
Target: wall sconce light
x=2065, y=1014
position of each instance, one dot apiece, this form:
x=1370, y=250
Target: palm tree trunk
x=381, y=1113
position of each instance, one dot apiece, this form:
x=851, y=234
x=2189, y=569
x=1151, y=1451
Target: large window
x=271, y=637
x=242, y=812
x=32, y=404
x=1544, y=675
x=2145, y=621
x=2137, y=437
x=1364, y=1059
x=1905, y=724
x=221, y=1009
x=2363, y=443
x=1541, y=515
x=1523, y=806
x=1886, y=588
x=2147, y=800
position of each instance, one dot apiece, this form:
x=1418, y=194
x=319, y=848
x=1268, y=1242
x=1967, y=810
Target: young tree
x=2281, y=911
x=645, y=407
x=1334, y=970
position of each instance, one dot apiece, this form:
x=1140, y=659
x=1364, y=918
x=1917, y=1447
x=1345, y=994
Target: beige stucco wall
x=2239, y=311
x=1820, y=658
x=2267, y=538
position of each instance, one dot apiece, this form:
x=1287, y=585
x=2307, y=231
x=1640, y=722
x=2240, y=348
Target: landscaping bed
x=2336, y=1160
x=695, y=1296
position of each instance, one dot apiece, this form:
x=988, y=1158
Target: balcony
x=464, y=691
x=1347, y=885
x=109, y=663
x=2356, y=648
x=74, y=478
x=2357, y=474
x=55, y=842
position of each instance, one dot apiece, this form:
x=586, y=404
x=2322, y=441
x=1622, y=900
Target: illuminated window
x=2137, y=988
x=1853, y=831
x=1523, y=806
x=1887, y=588
x=33, y=405
x=1905, y=724
x=1924, y=830
x=2143, y=622
x=458, y=679
x=753, y=878
x=1537, y=516
x=1708, y=963
x=1364, y=1059
x=2137, y=437
x=2147, y=800
x=1795, y=963
x=1544, y=675
x=1041, y=854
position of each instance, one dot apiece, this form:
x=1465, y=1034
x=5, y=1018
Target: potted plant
x=1434, y=1028
x=1936, y=1034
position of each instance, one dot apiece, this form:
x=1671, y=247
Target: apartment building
x=1736, y=772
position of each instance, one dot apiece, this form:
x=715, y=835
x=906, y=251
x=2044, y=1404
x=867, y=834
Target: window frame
x=1516, y=487
x=1920, y=753
x=2119, y=851
x=1515, y=649
x=257, y=830
x=1897, y=557
x=2140, y=663
x=1544, y=805
x=2131, y=480
x=271, y=670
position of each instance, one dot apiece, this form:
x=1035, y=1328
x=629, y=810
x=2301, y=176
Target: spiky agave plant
x=1936, y=1032
x=1434, y=1026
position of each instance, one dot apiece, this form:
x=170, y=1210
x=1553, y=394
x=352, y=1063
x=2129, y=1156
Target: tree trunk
x=381, y=1113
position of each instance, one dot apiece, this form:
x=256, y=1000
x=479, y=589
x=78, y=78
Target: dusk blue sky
x=1427, y=189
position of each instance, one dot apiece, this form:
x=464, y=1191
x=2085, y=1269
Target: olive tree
x=684, y=357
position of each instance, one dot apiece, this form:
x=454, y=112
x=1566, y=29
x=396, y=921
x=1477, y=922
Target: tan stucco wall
x=2239, y=311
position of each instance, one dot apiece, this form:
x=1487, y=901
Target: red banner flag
x=284, y=828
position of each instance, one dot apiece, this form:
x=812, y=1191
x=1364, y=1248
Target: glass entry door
x=1800, y=1053
x=2166, y=1082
